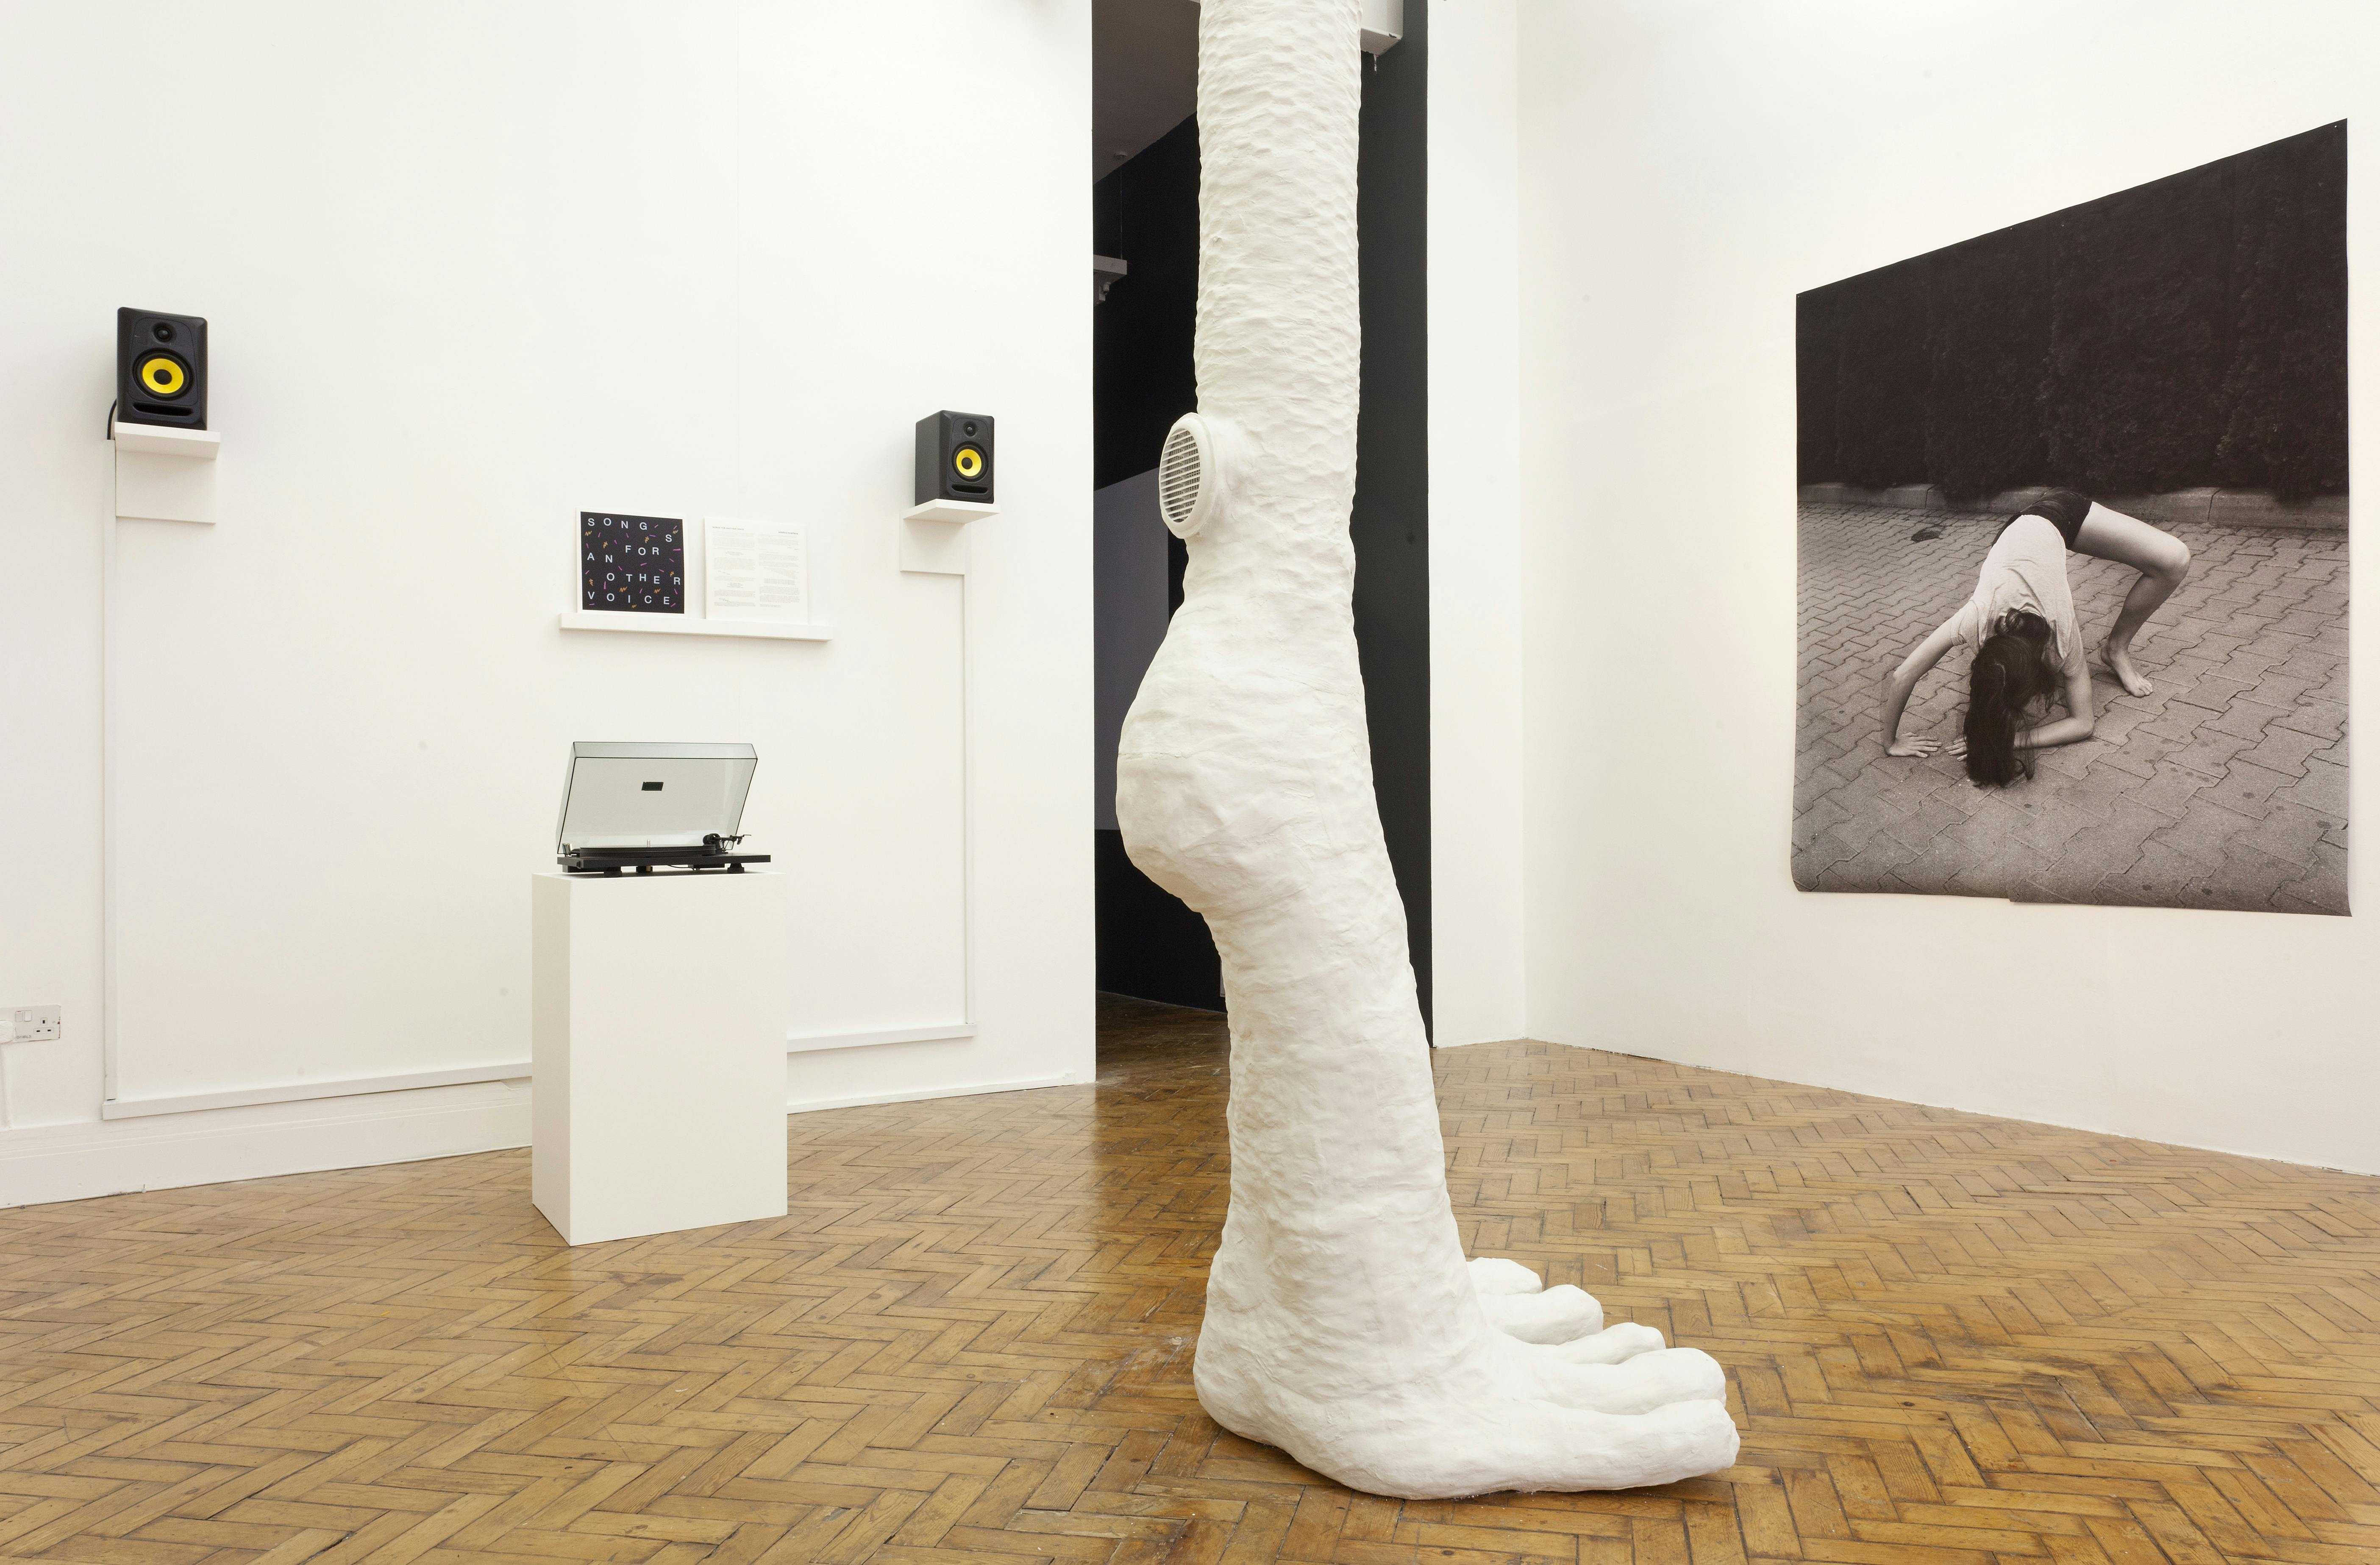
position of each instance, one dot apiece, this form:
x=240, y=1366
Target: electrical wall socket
x=33, y=1023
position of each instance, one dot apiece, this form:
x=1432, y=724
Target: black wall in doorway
x=1147, y=212
x=1392, y=517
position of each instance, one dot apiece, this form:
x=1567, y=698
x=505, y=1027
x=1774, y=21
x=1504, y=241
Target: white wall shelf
x=687, y=625
x=950, y=510
x=165, y=440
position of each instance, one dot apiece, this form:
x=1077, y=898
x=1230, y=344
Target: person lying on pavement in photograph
x=2028, y=643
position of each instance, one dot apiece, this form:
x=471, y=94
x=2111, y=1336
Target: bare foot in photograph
x=2119, y=663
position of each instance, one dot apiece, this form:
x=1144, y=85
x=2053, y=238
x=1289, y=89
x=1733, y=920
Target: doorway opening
x=1145, y=232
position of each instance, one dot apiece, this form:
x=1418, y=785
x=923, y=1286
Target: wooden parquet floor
x=1953, y=1340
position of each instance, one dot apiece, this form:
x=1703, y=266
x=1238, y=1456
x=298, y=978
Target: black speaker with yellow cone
x=955, y=457
x=161, y=369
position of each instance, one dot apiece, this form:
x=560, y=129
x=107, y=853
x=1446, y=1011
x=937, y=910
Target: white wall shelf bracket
x=934, y=536
x=165, y=474
x=934, y=543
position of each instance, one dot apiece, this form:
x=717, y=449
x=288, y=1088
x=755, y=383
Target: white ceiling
x=1144, y=75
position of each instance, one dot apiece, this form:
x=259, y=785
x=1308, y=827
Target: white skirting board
x=295, y=1092
x=806, y=1042
x=869, y=1100
x=359, y=1086
x=72, y=1162
x=46, y=1163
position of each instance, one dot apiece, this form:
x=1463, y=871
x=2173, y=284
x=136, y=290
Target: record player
x=642, y=807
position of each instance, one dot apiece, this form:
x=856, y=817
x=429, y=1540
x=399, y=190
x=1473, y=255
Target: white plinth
x=658, y=1016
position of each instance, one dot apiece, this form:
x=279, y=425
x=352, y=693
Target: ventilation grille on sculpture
x=1181, y=471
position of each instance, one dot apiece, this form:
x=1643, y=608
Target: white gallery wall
x=1686, y=168
x=467, y=270
x=1478, y=981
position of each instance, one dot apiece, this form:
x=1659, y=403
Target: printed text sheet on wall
x=757, y=571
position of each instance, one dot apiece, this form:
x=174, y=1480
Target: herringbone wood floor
x=1953, y=1340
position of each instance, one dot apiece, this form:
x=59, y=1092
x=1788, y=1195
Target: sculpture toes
x=1535, y=1444
x=1658, y=1379
x=1557, y=1314
x=1493, y=1275
x=1612, y=1345
x=1680, y=1440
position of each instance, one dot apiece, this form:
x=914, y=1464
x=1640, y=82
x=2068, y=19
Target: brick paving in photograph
x=2225, y=787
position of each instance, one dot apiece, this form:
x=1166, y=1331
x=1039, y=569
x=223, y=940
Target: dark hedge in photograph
x=2179, y=334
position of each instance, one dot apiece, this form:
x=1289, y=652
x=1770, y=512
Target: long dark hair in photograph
x=2016, y=666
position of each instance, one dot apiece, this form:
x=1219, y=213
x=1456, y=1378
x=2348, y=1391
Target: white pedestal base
x=658, y=1016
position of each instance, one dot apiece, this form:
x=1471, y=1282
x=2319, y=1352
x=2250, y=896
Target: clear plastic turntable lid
x=619, y=794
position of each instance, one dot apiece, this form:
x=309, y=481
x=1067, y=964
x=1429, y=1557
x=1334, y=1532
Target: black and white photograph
x=2072, y=577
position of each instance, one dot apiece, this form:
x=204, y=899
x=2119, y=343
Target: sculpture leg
x=1343, y=1322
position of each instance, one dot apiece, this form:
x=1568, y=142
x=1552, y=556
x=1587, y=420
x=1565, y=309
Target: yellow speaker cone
x=969, y=461
x=163, y=376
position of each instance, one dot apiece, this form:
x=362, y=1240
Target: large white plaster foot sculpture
x=1343, y=1322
